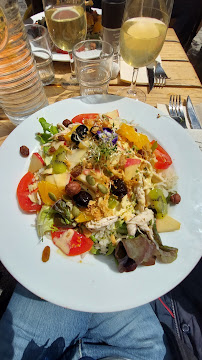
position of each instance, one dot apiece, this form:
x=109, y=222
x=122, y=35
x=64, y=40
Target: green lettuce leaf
x=45, y=221
x=49, y=130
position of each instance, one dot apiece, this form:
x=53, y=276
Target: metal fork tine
x=170, y=103
x=171, y=111
x=180, y=103
x=177, y=106
x=160, y=76
x=181, y=110
x=176, y=109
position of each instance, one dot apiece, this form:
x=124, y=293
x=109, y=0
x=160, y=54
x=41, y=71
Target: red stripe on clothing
x=165, y=306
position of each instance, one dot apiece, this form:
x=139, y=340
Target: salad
x=98, y=185
x=94, y=27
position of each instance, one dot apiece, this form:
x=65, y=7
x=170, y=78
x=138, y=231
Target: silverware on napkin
x=150, y=75
x=176, y=111
x=195, y=124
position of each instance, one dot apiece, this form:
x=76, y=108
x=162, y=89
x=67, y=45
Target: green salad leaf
x=49, y=130
x=48, y=127
x=45, y=220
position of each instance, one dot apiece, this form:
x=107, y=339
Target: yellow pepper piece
x=82, y=217
x=69, y=134
x=46, y=188
x=131, y=135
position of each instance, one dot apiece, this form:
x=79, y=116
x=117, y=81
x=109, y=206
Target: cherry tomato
x=22, y=194
x=78, y=244
x=163, y=159
x=81, y=117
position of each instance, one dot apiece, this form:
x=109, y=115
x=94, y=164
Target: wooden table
x=182, y=81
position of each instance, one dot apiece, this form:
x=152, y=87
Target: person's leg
x=133, y=334
x=32, y=328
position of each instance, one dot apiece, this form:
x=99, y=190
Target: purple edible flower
x=108, y=135
x=115, y=139
x=107, y=131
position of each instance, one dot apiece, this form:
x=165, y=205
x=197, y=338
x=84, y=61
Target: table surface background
x=183, y=81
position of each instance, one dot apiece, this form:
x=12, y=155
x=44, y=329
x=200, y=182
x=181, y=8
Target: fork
x=160, y=75
x=176, y=111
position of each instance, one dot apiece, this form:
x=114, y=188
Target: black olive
x=94, y=130
x=82, y=198
x=75, y=138
x=119, y=188
x=82, y=131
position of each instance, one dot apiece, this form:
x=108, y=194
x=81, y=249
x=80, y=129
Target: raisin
x=46, y=254
x=66, y=122
x=61, y=138
x=24, y=151
x=52, y=150
x=76, y=171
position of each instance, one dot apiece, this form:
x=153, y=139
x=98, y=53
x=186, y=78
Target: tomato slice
x=81, y=117
x=163, y=159
x=76, y=245
x=22, y=194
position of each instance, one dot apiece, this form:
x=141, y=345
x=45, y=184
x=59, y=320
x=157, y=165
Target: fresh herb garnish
x=49, y=130
x=102, y=151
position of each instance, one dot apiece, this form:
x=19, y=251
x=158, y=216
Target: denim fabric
x=33, y=329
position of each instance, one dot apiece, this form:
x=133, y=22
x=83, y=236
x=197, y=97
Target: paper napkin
x=126, y=72
x=195, y=133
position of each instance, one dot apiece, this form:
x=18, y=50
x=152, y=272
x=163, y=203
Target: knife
x=192, y=115
x=150, y=75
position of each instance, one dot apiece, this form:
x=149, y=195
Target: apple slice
x=60, y=180
x=113, y=114
x=130, y=162
x=113, y=118
x=36, y=163
x=131, y=167
x=166, y=224
x=50, y=179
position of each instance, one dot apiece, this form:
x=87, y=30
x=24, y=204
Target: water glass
x=93, y=66
x=40, y=45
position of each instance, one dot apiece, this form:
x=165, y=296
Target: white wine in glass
x=66, y=22
x=143, y=33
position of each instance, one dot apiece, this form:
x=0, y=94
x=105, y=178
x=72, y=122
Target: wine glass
x=143, y=31
x=67, y=25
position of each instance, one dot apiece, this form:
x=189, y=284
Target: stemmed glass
x=143, y=31
x=67, y=25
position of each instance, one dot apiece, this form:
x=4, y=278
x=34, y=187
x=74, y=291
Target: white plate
x=57, y=56
x=94, y=284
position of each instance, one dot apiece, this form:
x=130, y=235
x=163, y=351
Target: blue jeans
x=33, y=329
